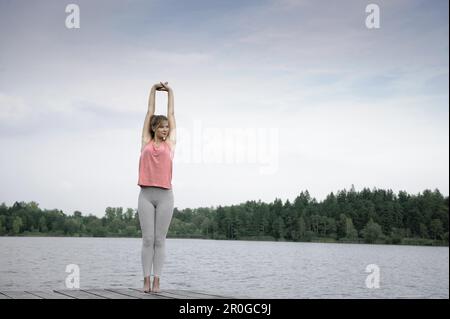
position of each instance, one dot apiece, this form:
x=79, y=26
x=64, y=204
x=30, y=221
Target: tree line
x=368, y=216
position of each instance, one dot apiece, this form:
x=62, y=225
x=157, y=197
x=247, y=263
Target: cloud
x=437, y=84
x=12, y=109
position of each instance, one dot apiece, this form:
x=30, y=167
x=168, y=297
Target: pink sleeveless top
x=155, y=165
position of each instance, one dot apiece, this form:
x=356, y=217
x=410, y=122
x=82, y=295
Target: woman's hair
x=155, y=122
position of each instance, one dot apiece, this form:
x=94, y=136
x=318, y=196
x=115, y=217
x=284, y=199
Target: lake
x=255, y=269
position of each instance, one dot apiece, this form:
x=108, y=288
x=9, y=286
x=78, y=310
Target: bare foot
x=147, y=284
x=156, y=284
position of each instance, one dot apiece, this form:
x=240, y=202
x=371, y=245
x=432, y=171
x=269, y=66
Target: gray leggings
x=155, y=209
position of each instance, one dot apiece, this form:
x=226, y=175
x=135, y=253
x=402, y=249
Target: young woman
x=156, y=202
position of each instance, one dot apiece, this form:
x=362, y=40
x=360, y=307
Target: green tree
x=95, y=228
x=116, y=227
x=301, y=228
x=2, y=225
x=423, y=230
x=43, y=224
x=110, y=214
x=445, y=237
x=397, y=234
x=279, y=228
x=315, y=223
x=436, y=228
x=206, y=227
x=342, y=226
x=71, y=226
x=350, y=231
x=17, y=225
x=371, y=232
x=330, y=226
x=131, y=230
x=129, y=214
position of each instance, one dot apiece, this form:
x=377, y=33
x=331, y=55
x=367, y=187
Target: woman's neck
x=157, y=140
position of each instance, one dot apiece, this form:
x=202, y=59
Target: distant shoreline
x=370, y=216
x=408, y=241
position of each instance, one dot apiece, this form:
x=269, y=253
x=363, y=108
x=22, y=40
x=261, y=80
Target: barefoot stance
x=147, y=284
x=155, y=284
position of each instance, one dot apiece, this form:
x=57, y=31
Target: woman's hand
x=166, y=86
x=162, y=86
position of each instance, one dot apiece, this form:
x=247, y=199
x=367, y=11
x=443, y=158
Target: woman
x=155, y=203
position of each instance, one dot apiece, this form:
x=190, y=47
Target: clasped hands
x=162, y=86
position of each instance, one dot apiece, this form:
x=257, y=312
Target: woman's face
x=163, y=130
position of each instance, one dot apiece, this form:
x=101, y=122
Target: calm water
x=235, y=268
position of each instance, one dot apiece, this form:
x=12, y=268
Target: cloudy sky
x=271, y=98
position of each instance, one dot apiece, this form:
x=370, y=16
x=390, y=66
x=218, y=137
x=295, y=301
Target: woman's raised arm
x=151, y=110
x=171, y=114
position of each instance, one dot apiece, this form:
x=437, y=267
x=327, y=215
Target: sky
x=272, y=98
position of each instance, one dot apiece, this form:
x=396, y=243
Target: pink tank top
x=155, y=165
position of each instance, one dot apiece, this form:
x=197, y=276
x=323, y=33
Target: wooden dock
x=108, y=293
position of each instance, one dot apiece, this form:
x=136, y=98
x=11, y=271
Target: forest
x=374, y=216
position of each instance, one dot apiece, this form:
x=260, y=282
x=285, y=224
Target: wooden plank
x=49, y=295
x=19, y=295
x=221, y=296
x=78, y=294
x=118, y=293
x=182, y=295
x=167, y=294
x=175, y=295
x=137, y=293
x=197, y=294
x=108, y=294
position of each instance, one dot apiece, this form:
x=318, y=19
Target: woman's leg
x=146, y=212
x=163, y=217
